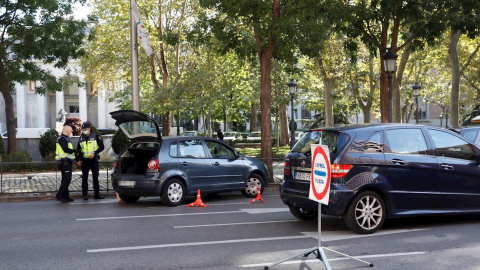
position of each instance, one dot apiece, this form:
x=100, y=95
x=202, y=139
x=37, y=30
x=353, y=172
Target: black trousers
x=87, y=165
x=66, y=170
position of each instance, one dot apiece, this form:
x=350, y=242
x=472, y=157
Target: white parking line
x=153, y=216
x=339, y=258
x=233, y=224
x=199, y=243
x=208, y=204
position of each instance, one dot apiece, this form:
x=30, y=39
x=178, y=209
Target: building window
x=73, y=109
x=31, y=86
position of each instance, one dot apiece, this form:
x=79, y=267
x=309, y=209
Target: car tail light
x=339, y=170
x=115, y=165
x=153, y=166
x=286, y=168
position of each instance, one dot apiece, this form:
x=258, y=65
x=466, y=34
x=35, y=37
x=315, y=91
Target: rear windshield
x=333, y=139
x=138, y=129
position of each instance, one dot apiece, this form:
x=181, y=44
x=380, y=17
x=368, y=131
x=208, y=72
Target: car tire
x=173, y=193
x=366, y=213
x=254, y=182
x=303, y=214
x=128, y=199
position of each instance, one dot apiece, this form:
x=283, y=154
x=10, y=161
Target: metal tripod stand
x=318, y=250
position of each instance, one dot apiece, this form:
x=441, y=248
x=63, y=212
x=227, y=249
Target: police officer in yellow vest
x=91, y=145
x=64, y=157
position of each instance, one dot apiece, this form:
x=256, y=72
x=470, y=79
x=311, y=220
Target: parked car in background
x=175, y=167
x=189, y=133
x=385, y=171
x=231, y=135
x=254, y=136
x=106, y=131
x=27, y=132
x=470, y=133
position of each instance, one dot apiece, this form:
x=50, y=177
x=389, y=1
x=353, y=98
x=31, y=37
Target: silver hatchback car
x=175, y=167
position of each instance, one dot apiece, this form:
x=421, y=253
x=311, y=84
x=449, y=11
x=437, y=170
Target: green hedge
x=119, y=141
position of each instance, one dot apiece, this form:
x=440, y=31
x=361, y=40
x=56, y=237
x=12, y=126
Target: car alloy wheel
x=254, y=182
x=366, y=213
x=173, y=193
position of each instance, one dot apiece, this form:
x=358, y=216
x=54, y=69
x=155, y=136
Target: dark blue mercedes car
x=175, y=167
x=385, y=170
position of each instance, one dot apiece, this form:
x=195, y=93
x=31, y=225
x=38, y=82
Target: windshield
x=188, y=133
x=333, y=139
x=255, y=135
x=138, y=129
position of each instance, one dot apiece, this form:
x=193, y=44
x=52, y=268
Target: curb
x=75, y=196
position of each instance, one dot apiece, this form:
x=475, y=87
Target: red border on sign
x=320, y=196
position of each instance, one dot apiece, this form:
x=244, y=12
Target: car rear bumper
x=136, y=185
x=338, y=200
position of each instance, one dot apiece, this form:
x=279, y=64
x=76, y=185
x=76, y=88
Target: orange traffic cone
x=258, y=198
x=198, y=202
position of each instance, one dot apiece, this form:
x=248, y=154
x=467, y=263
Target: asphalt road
x=230, y=233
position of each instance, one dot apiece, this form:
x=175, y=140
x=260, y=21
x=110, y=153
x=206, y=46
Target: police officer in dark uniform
x=64, y=157
x=91, y=145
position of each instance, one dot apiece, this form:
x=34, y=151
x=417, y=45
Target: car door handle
x=398, y=161
x=216, y=164
x=184, y=163
x=447, y=167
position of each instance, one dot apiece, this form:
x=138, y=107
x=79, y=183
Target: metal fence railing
x=45, y=177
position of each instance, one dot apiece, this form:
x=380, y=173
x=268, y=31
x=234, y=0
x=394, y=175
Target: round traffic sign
x=320, y=182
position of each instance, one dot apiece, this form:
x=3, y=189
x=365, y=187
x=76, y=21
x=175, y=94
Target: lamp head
x=292, y=86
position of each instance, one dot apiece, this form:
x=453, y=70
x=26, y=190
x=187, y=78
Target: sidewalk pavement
x=37, y=186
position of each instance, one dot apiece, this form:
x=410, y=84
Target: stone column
x=21, y=92
x=82, y=99
x=41, y=110
x=102, y=108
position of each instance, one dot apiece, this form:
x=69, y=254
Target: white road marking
x=264, y=210
x=233, y=224
x=249, y=211
x=208, y=204
x=199, y=243
x=340, y=258
x=342, y=235
x=153, y=216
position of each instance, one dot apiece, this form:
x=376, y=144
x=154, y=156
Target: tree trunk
x=328, y=85
x=253, y=118
x=265, y=55
x=10, y=117
x=455, y=67
x=397, y=110
x=284, y=131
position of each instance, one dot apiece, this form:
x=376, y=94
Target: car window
x=173, y=149
x=407, y=141
x=219, y=150
x=191, y=148
x=374, y=143
x=470, y=135
x=451, y=146
x=333, y=139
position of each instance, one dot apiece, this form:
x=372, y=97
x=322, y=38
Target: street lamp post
x=416, y=93
x=390, y=64
x=292, y=88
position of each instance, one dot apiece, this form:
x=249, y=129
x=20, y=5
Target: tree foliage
x=33, y=31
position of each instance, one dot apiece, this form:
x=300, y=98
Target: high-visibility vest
x=59, y=150
x=88, y=145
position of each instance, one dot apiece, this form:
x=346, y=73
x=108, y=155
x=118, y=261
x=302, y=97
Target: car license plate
x=303, y=176
x=126, y=183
